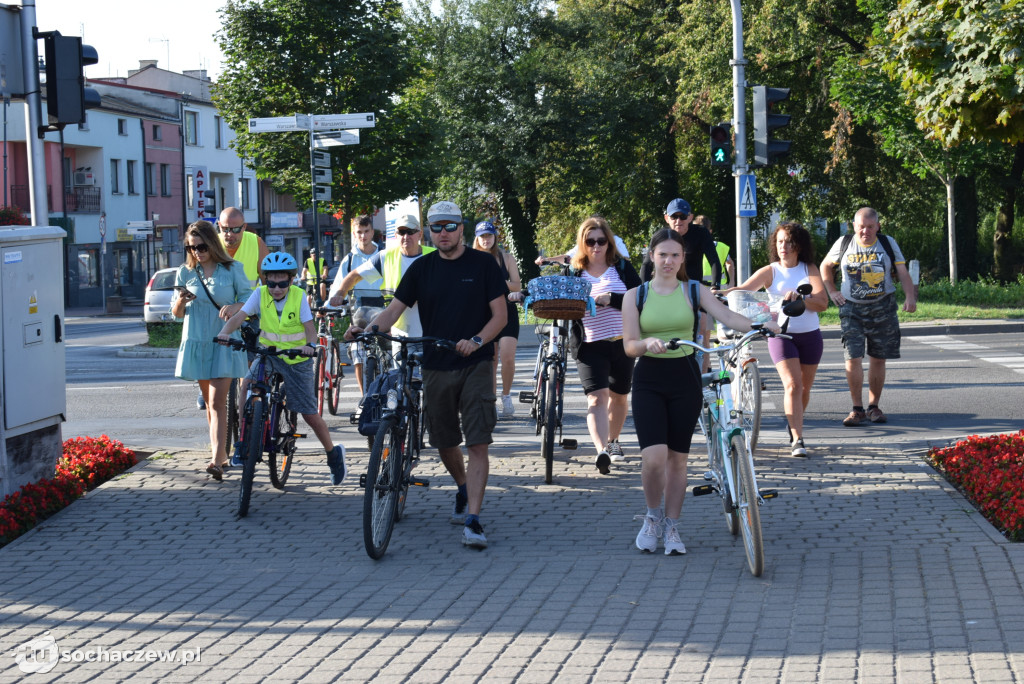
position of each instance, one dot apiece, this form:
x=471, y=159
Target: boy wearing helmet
x=286, y=322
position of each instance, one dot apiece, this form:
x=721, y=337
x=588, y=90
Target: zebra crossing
x=1014, y=362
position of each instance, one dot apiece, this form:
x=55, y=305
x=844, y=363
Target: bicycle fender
x=735, y=431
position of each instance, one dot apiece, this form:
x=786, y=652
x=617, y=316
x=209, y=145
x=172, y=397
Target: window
x=190, y=190
x=150, y=180
x=165, y=180
x=243, y=193
x=191, y=128
x=130, y=176
x=218, y=126
x=115, y=176
x=157, y=135
x=122, y=126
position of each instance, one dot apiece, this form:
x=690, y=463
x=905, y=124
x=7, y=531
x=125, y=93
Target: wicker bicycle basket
x=561, y=309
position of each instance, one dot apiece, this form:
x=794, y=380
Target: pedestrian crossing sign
x=746, y=202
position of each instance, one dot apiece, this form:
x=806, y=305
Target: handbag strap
x=212, y=300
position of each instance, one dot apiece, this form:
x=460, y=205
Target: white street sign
x=277, y=124
x=326, y=122
x=322, y=176
x=322, y=159
x=322, y=193
x=336, y=138
x=139, y=224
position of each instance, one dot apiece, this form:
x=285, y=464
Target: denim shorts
x=299, y=383
x=877, y=323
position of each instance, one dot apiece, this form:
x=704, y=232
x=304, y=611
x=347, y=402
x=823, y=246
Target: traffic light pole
x=33, y=116
x=739, y=118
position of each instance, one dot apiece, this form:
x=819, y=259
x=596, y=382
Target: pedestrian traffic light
x=67, y=98
x=721, y=145
x=766, y=148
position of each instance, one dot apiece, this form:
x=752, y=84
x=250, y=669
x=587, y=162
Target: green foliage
x=164, y=335
x=985, y=292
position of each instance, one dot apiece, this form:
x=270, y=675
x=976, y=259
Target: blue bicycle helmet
x=279, y=261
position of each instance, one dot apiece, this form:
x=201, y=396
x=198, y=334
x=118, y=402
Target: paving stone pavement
x=876, y=571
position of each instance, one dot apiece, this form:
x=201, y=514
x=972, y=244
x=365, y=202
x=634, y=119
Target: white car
x=157, y=305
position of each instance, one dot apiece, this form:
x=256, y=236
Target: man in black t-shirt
x=461, y=296
x=699, y=244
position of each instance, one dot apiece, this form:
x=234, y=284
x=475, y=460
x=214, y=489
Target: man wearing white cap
x=461, y=296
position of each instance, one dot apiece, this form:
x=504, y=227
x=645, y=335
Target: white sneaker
x=673, y=544
x=614, y=450
x=507, y=408
x=650, y=533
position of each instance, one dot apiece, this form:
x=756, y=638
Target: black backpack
x=374, y=400
x=886, y=245
x=641, y=297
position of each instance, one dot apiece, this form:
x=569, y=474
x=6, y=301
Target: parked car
x=156, y=307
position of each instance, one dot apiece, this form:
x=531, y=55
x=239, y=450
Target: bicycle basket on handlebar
x=374, y=400
x=562, y=297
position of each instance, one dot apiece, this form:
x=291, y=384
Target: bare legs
x=797, y=380
x=215, y=393
x=606, y=413
x=664, y=474
x=855, y=379
x=474, y=476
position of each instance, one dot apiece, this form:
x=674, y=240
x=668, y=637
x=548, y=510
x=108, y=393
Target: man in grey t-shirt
x=867, y=308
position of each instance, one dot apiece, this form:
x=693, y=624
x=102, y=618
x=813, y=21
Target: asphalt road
x=942, y=389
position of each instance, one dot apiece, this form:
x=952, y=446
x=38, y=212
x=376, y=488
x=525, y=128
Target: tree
x=325, y=57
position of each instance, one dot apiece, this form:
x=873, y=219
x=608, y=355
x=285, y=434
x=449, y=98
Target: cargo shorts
x=466, y=392
x=876, y=323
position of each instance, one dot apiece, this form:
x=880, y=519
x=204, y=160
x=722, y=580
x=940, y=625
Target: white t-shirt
x=409, y=322
x=252, y=306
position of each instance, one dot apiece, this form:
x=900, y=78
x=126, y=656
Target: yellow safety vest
x=285, y=331
x=248, y=254
x=723, y=254
x=311, y=278
x=393, y=266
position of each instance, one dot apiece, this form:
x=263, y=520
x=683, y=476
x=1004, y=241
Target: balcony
x=79, y=200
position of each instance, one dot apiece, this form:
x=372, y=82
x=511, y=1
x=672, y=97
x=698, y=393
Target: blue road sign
x=746, y=203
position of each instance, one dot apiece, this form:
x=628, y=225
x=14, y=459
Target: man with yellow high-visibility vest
x=390, y=265
x=286, y=322
x=241, y=244
x=314, y=283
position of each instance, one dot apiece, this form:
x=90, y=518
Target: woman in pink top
x=605, y=370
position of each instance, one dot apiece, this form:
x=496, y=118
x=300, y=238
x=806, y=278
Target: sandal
x=216, y=472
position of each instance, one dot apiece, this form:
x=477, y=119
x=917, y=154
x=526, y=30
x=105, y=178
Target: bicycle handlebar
x=756, y=330
x=256, y=348
x=439, y=342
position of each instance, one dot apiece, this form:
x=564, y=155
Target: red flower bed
x=990, y=472
x=86, y=463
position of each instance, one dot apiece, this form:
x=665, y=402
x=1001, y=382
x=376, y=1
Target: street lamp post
x=739, y=117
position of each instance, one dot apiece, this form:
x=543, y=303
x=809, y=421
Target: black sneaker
x=459, y=509
x=798, y=448
x=473, y=535
x=603, y=463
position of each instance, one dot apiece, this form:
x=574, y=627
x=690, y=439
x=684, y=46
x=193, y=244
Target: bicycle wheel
x=538, y=402
x=252, y=448
x=404, y=465
x=334, y=386
x=732, y=521
x=746, y=501
x=283, y=449
x=547, y=436
x=749, y=401
x=232, y=414
x=319, y=377
x=380, y=499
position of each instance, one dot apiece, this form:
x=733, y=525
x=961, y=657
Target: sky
x=179, y=35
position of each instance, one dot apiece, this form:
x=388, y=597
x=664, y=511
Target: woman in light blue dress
x=204, y=309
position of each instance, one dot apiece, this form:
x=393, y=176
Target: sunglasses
x=198, y=249
x=678, y=217
x=596, y=242
x=278, y=284
x=446, y=227
x=232, y=229
x=409, y=231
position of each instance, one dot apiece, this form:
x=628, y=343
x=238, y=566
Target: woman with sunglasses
x=210, y=286
x=486, y=240
x=596, y=342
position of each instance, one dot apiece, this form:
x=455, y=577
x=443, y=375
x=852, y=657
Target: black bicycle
x=397, y=443
x=267, y=425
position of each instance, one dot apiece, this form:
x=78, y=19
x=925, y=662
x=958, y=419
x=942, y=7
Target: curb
x=143, y=352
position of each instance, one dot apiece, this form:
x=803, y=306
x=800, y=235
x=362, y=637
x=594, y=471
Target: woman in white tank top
x=792, y=263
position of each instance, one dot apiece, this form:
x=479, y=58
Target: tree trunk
x=965, y=189
x=949, y=182
x=520, y=218
x=1006, y=262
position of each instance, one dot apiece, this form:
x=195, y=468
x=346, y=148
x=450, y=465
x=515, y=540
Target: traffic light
x=721, y=145
x=67, y=98
x=209, y=207
x=766, y=148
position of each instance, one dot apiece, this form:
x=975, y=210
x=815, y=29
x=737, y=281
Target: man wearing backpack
x=870, y=262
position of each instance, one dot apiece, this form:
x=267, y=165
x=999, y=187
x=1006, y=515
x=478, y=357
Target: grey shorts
x=877, y=323
x=467, y=392
x=299, y=383
x=356, y=353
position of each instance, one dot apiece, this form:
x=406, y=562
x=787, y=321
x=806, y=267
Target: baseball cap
x=486, y=228
x=444, y=211
x=407, y=221
x=678, y=206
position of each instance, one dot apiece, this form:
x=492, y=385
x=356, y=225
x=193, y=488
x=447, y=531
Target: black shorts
x=666, y=401
x=511, y=328
x=604, y=365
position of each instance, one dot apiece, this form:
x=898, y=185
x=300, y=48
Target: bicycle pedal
x=764, y=385
x=362, y=481
x=570, y=443
x=526, y=397
x=769, y=494
x=701, y=490
x=299, y=435
x=353, y=419
x=419, y=482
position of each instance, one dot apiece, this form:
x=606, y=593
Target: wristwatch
x=478, y=340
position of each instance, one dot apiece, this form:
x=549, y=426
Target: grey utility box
x=33, y=396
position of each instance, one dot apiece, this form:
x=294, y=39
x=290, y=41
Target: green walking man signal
x=721, y=145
